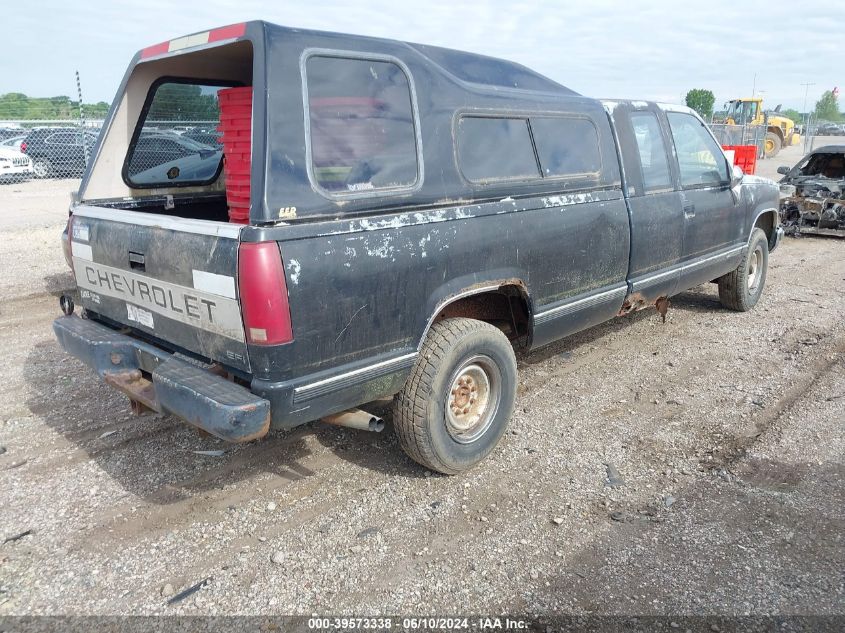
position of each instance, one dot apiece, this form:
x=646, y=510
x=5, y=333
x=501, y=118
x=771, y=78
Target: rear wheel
x=773, y=144
x=42, y=168
x=457, y=401
x=741, y=289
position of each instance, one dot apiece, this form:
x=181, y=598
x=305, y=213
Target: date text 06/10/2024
x=418, y=624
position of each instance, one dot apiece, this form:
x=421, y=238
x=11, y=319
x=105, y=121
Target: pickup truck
x=413, y=216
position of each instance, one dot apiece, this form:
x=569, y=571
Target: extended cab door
x=656, y=213
x=712, y=222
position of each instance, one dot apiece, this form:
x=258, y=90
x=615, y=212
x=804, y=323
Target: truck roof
x=472, y=68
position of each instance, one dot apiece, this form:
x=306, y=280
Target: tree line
x=827, y=107
x=15, y=105
x=172, y=101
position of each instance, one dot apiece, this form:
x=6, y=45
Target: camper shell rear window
x=176, y=142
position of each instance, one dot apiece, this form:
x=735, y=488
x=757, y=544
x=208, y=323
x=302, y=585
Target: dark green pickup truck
x=381, y=219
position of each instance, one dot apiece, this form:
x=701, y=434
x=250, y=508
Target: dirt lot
x=691, y=467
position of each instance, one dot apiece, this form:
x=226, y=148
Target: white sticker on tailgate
x=204, y=310
x=140, y=315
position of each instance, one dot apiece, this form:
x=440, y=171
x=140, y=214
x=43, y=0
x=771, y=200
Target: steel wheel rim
x=473, y=398
x=755, y=267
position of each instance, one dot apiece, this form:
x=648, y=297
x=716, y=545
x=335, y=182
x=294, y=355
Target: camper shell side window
x=493, y=148
x=361, y=124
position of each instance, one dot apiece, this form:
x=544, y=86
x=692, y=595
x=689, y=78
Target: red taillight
x=23, y=147
x=264, y=294
x=68, y=243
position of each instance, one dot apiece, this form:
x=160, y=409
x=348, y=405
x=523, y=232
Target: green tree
x=793, y=114
x=701, y=101
x=18, y=106
x=827, y=108
x=183, y=102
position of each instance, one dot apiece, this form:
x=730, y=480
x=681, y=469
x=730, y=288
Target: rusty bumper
x=155, y=379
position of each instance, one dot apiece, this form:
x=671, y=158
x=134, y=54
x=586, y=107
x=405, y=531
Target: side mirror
x=783, y=169
x=736, y=175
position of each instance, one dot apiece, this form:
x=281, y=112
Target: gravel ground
x=691, y=467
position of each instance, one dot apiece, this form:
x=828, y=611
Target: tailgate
x=170, y=278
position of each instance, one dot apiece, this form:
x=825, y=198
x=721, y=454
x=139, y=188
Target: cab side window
x=701, y=161
x=652, y=151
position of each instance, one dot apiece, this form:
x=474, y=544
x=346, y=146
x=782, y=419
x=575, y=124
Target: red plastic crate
x=235, y=165
x=236, y=127
x=238, y=178
x=241, y=197
x=238, y=94
x=745, y=157
x=235, y=134
x=236, y=147
x=238, y=192
x=235, y=109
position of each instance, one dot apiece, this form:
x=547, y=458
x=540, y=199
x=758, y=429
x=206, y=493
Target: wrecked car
x=812, y=193
x=384, y=220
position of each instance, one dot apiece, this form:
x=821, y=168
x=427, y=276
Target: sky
x=626, y=49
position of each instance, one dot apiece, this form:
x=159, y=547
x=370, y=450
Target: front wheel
x=741, y=288
x=457, y=402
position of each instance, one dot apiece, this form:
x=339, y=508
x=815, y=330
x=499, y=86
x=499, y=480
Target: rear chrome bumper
x=160, y=381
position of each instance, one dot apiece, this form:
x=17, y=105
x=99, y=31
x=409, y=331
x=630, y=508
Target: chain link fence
x=748, y=134
x=40, y=149
x=817, y=133
x=32, y=150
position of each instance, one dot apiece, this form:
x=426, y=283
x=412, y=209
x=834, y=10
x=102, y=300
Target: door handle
x=689, y=210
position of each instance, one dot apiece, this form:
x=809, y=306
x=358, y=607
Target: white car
x=14, y=164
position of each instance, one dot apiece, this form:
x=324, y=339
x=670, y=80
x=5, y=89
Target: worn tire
x=454, y=349
x=776, y=143
x=737, y=290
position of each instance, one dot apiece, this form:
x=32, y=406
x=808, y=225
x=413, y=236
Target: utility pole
x=81, y=119
x=754, y=86
x=806, y=114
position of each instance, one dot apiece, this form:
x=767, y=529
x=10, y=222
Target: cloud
x=636, y=49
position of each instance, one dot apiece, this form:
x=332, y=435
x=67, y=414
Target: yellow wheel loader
x=780, y=130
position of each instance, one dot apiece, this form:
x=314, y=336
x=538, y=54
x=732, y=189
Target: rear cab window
x=162, y=152
x=654, y=162
x=362, y=126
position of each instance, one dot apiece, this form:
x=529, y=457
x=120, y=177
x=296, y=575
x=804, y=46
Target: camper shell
x=274, y=61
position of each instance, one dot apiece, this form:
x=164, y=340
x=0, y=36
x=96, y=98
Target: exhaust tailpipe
x=356, y=419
